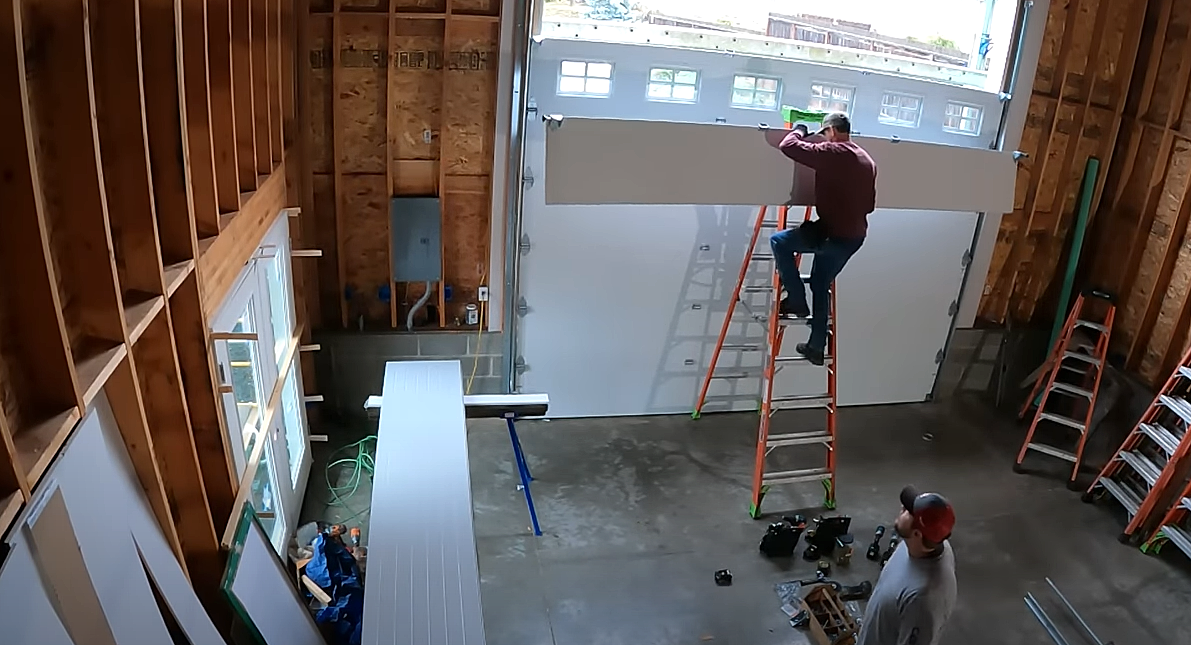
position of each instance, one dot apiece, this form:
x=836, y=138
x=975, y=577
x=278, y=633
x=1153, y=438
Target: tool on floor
x=773, y=361
x=889, y=552
x=874, y=549
x=843, y=550
x=781, y=538
x=723, y=578
x=1065, y=393
x=1146, y=464
x=1049, y=625
x=823, y=567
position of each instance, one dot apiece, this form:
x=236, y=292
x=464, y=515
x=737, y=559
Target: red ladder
x=769, y=405
x=1066, y=359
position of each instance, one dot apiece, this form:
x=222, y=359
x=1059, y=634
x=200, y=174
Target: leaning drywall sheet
x=627, y=161
x=259, y=582
x=111, y=518
x=26, y=613
x=423, y=572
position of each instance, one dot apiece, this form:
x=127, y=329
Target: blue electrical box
x=416, y=227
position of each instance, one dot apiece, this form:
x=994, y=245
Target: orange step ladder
x=1148, y=461
x=772, y=361
x=1073, y=377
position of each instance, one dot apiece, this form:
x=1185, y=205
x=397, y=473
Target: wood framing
x=131, y=203
x=401, y=102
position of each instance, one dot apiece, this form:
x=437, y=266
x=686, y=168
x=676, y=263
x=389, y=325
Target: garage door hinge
x=939, y=356
x=519, y=365
x=531, y=106
x=524, y=245
x=953, y=308
x=552, y=121
x=527, y=178
x=522, y=307
x=966, y=259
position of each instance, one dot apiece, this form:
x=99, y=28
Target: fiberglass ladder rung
x=1152, y=436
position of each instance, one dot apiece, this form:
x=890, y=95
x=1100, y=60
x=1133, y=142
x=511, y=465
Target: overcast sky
x=957, y=20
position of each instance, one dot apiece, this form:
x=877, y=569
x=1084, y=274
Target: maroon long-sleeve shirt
x=845, y=182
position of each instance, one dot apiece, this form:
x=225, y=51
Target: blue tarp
x=335, y=570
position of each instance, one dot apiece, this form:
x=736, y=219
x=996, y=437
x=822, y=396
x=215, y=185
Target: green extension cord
x=363, y=463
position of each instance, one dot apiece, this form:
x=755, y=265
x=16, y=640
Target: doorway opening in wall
x=960, y=42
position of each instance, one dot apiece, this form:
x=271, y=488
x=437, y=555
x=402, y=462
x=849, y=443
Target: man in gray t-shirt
x=916, y=590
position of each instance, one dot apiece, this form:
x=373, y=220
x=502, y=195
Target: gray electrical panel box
x=416, y=227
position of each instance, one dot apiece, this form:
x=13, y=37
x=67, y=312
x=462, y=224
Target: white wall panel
x=26, y=613
x=624, y=161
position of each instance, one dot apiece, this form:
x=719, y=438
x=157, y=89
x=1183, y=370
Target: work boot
x=815, y=356
x=790, y=310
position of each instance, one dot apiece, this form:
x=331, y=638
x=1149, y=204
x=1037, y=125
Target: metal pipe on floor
x=1045, y=620
x=1078, y=618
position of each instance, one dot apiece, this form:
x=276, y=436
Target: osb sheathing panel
x=469, y=99
x=465, y=241
x=417, y=91
x=362, y=94
x=1170, y=330
x=1168, y=69
x=1106, y=65
x=318, y=62
x=365, y=224
x=1079, y=70
x=1052, y=39
x=1172, y=190
x=328, y=264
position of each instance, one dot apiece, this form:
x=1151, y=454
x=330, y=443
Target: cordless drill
x=874, y=549
x=889, y=553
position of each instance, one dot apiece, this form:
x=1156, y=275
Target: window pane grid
x=755, y=91
x=585, y=78
x=962, y=118
x=830, y=98
x=900, y=109
x=672, y=85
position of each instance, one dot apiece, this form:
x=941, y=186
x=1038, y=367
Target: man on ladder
x=845, y=193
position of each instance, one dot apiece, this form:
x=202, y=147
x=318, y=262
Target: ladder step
x=1066, y=388
x=762, y=257
x=1179, y=537
x=1091, y=325
x=800, y=401
x=1178, y=405
x=1052, y=451
x=1161, y=436
x=757, y=289
x=742, y=348
x=1061, y=420
x=798, y=439
x=1185, y=371
x=1186, y=503
x=827, y=360
x=1080, y=356
x=796, y=476
x=735, y=375
x=1125, y=496
x=1141, y=465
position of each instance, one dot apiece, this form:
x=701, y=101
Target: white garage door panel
x=625, y=304
x=604, y=161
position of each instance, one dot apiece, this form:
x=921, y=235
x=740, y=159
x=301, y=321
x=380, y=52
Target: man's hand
x=801, y=129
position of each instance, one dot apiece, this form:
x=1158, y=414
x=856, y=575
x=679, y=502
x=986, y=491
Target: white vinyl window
x=963, y=118
x=581, y=78
x=679, y=85
x=826, y=97
x=759, y=92
x=900, y=109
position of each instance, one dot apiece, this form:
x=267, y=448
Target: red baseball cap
x=933, y=515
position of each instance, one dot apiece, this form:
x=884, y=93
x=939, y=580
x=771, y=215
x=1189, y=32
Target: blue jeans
x=830, y=257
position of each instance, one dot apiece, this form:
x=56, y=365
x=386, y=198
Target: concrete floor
x=638, y=513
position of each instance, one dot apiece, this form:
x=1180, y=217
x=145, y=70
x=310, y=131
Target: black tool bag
x=780, y=540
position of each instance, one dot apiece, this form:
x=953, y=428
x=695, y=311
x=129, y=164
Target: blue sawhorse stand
x=523, y=471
